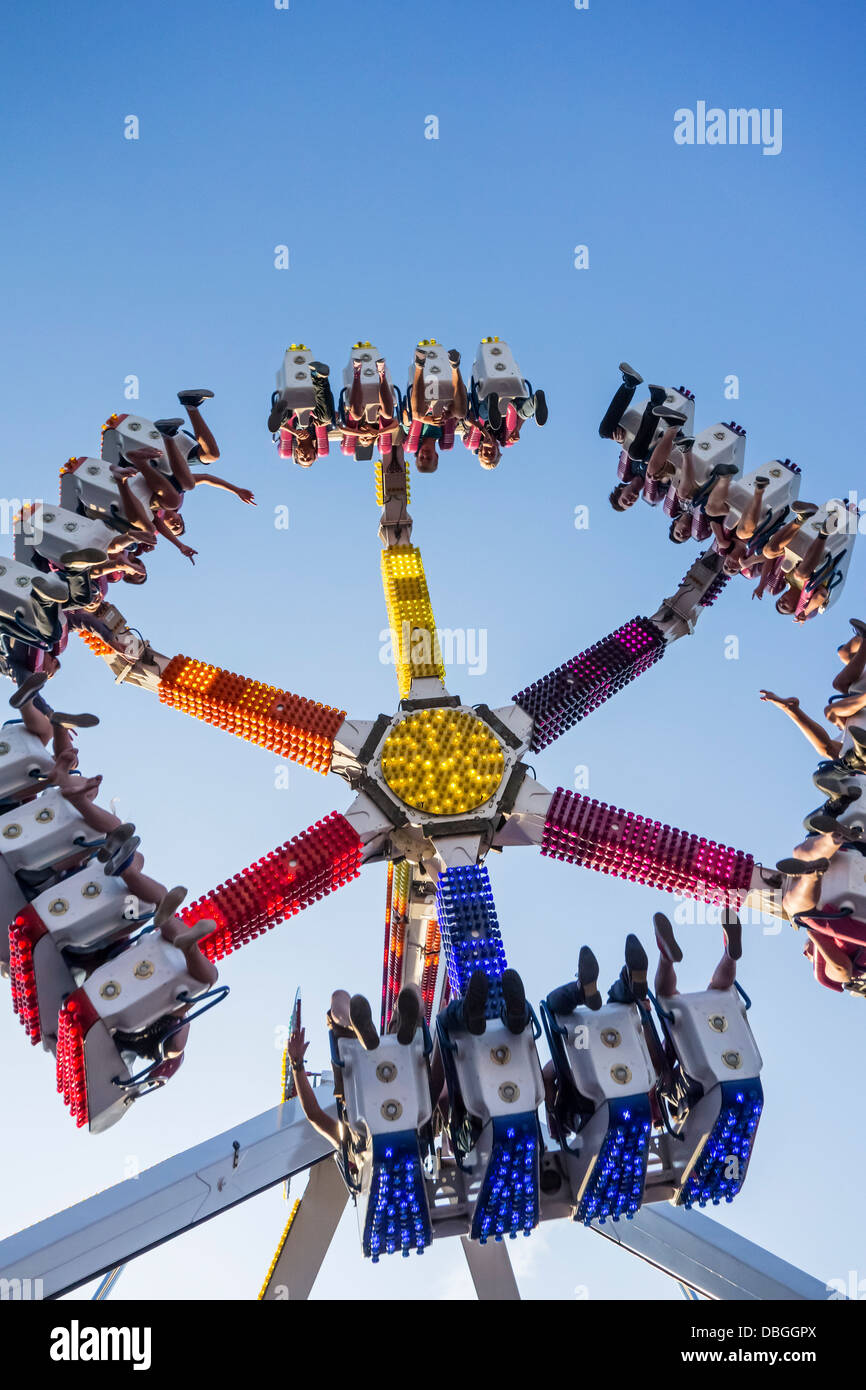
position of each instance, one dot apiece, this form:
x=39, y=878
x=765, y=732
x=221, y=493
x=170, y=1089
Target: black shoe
x=279, y=411
x=514, y=997
x=587, y=975
x=732, y=931
x=803, y=510
x=119, y=856
x=113, y=840
x=801, y=868
x=630, y=377
x=169, y=428
x=475, y=1003
x=454, y=357
x=667, y=943
x=637, y=965
x=49, y=587
x=28, y=689
x=361, y=1019
x=83, y=559
x=685, y=444
x=74, y=721
x=494, y=415
x=670, y=417
x=838, y=805
x=194, y=398
x=658, y=394
x=541, y=413
x=320, y=368
x=828, y=825
x=408, y=1013
x=858, y=738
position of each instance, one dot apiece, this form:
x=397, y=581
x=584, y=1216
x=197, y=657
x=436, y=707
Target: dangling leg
x=748, y=523
x=665, y=982
x=386, y=395
x=460, y=406
x=855, y=665
x=726, y=971
x=837, y=962
x=191, y=400
x=661, y=453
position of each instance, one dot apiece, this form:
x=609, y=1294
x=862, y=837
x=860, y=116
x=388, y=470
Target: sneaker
x=49, y=587
x=667, y=943
x=194, y=398
x=630, y=377
x=120, y=856
x=74, y=721
x=169, y=428
x=828, y=825
x=320, y=368
x=670, y=417
x=732, y=931
x=361, y=1019
x=800, y=868
x=475, y=1003
x=408, y=1013
x=83, y=559
x=540, y=408
x=803, y=510
x=454, y=357
x=637, y=965
x=686, y=444
x=587, y=975
x=658, y=394
x=112, y=840
x=27, y=689
x=494, y=415
x=168, y=905
x=514, y=997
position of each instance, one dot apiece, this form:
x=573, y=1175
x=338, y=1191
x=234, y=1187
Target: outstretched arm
x=242, y=492
x=325, y=1124
x=819, y=738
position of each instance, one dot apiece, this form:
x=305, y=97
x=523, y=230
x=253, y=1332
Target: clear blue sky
x=154, y=257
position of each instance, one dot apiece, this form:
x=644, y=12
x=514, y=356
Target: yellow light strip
x=280, y=1247
x=410, y=617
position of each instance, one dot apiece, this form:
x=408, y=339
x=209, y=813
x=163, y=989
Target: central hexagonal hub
x=442, y=761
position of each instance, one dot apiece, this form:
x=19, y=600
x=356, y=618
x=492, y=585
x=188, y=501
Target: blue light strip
x=470, y=931
x=616, y=1186
x=508, y=1201
x=729, y=1147
x=398, y=1217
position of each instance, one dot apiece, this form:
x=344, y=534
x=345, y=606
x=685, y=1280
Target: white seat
x=436, y=377
x=368, y=355
x=711, y=1036
x=495, y=370
x=674, y=400
x=43, y=832
x=783, y=490
x=715, y=1047
x=125, y=432
x=54, y=531
x=499, y=1072
x=91, y=486
x=88, y=907
x=295, y=382
x=842, y=519
x=611, y=1067
x=607, y=1052
x=843, y=886
x=387, y=1090
x=718, y=444
x=24, y=759
x=15, y=579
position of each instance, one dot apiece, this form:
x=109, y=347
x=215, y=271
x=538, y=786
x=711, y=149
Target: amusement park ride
x=435, y=787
